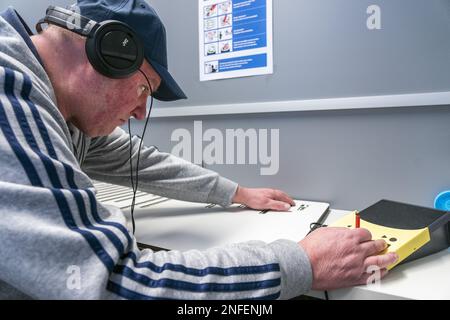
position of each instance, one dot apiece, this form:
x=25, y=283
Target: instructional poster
x=235, y=38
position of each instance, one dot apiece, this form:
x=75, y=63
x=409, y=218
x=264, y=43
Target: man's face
x=105, y=103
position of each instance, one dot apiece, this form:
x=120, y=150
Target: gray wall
x=323, y=49
x=349, y=158
x=32, y=11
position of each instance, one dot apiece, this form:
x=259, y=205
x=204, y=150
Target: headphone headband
x=69, y=20
x=112, y=47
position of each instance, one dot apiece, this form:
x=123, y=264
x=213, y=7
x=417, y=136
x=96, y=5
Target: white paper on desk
x=183, y=225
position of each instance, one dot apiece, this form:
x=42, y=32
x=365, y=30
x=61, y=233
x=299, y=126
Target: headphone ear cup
x=114, y=50
x=94, y=58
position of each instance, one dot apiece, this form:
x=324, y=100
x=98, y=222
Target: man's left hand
x=262, y=199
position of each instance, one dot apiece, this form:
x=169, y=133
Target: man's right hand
x=340, y=257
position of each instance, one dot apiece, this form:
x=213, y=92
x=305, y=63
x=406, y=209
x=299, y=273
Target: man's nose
x=140, y=111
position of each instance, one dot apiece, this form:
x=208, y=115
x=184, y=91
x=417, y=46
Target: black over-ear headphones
x=112, y=47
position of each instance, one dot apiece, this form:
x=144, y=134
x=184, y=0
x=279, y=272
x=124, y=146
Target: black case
x=399, y=215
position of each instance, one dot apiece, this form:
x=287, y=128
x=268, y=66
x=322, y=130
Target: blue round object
x=442, y=201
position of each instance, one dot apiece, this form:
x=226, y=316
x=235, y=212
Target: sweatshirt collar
x=15, y=20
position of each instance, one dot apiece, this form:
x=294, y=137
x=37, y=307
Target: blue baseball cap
x=148, y=26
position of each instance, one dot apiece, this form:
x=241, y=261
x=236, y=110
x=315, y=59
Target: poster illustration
x=235, y=38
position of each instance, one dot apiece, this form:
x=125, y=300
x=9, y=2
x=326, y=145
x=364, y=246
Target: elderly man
x=59, y=117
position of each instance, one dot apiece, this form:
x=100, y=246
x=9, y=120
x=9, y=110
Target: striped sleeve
x=60, y=243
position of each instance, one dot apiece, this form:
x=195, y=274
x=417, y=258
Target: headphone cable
x=135, y=185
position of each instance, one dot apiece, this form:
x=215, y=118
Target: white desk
x=422, y=279
x=426, y=278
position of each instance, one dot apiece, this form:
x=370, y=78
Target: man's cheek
x=126, y=99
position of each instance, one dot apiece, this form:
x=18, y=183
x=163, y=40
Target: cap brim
x=168, y=90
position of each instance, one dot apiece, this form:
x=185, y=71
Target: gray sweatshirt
x=58, y=242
